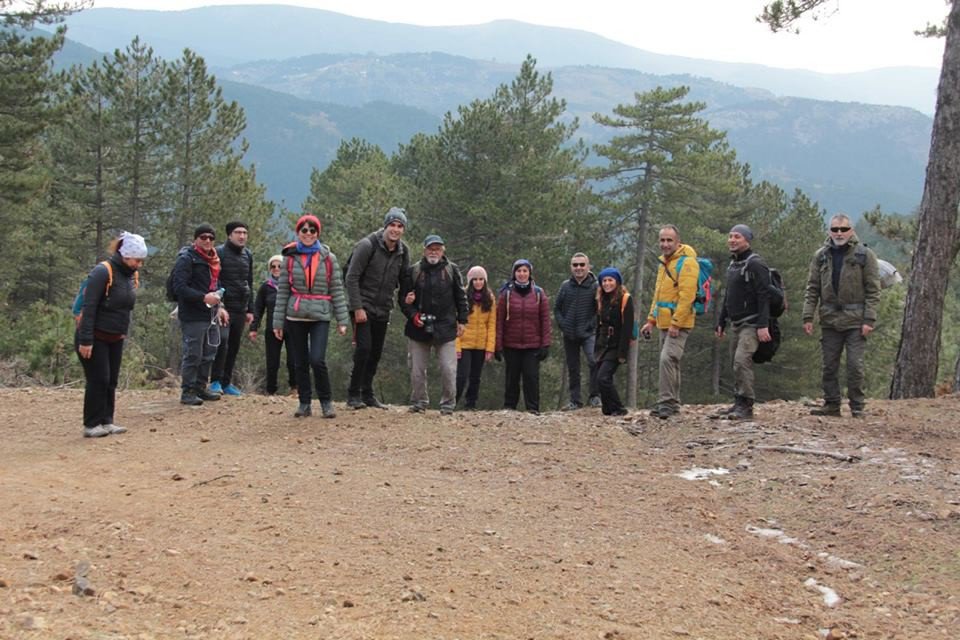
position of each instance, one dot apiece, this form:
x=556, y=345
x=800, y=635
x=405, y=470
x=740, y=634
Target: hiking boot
x=326, y=407
x=595, y=401
x=356, y=402
x=723, y=413
x=741, y=411
x=231, y=390
x=190, y=399
x=203, y=394
x=114, y=428
x=417, y=408
x=95, y=432
x=215, y=387
x=373, y=403
x=829, y=409
x=446, y=411
x=857, y=412
x=573, y=406
x=664, y=411
x=303, y=411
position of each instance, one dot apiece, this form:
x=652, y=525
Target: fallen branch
x=202, y=482
x=809, y=452
x=537, y=442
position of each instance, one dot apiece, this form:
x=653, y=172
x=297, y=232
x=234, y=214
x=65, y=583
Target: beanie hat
x=522, y=262
x=233, y=226
x=432, y=239
x=611, y=272
x=203, y=228
x=743, y=230
x=132, y=246
x=476, y=272
x=395, y=214
x=309, y=217
x=276, y=258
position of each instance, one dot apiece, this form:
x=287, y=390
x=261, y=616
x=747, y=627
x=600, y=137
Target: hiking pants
x=230, y=336
x=419, y=360
x=198, y=355
x=609, y=398
x=521, y=365
x=273, y=349
x=671, y=352
x=469, y=368
x=101, y=370
x=369, y=336
x=832, y=343
x=571, y=350
x=746, y=342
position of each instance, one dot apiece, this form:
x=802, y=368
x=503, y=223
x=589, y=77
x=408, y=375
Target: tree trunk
x=915, y=371
x=638, y=313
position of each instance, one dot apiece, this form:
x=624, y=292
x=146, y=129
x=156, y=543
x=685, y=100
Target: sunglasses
x=839, y=229
x=306, y=229
x=275, y=266
x=578, y=264
x=206, y=236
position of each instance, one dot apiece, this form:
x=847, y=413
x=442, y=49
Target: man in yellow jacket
x=672, y=312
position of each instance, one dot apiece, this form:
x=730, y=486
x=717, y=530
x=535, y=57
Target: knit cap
x=476, y=272
x=743, y=230
x=395, y=214
x=611, y=272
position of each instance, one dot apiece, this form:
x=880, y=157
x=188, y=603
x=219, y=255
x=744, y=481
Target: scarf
x=213, y=261
x=308, y=249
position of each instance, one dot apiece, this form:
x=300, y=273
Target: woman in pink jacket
x=523, y=336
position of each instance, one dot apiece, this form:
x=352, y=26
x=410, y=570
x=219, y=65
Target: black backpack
x=778, y=292
x=171, y=294
x=766, y=350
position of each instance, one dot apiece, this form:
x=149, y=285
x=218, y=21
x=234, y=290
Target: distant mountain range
x=305, y=86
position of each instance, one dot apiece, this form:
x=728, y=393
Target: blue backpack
x=701, y=303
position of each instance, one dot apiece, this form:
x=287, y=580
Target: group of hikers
x=464, y=324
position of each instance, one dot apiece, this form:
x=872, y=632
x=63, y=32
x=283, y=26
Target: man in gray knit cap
x=746, y=305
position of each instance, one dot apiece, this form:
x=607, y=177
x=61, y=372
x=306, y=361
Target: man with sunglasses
x=196, y=281
x=844, y=282
x=575, y=311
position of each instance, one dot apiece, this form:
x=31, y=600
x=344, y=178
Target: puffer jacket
x=615, y=329
x=575, y=308
x=263, y=308
x=481, y=330
x=107, y=311
x=855, y=302
x=674, y=293
x=439, y=292
x=523, y=321
x=236, y=277
x=317, y=301
x=373, y=275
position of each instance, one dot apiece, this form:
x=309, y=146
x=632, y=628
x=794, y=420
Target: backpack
x=766, y=350
x=346, y=265
x=701, y=303
x=635, y=329
x=889, y=275
x=171, y=294
x=778, y=292
x=78, y=300
x=416, y=271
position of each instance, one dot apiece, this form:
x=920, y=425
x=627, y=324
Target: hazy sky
x=852, y=35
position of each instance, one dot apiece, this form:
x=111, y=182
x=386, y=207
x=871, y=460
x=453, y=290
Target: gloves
x=417, y=322
x=498, y=356
x=543, y=353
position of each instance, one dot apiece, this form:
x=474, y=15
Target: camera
x=428, y=319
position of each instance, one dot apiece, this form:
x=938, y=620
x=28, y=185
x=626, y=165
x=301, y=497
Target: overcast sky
x=852, y=35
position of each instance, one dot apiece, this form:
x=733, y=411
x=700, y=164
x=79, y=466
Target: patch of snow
x=830, y=597
x=698, y=473
x=715, y=539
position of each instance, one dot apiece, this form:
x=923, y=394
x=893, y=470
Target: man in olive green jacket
x=844, y=282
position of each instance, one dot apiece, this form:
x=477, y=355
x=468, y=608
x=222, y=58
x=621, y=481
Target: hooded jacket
x=674, y=293
x=854, y=302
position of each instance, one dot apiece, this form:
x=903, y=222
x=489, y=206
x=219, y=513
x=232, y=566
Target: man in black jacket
x=196, y=282
x=575, y=311
x=435, y=305
x=236, y=278
x=746, y=304
x=372, y=280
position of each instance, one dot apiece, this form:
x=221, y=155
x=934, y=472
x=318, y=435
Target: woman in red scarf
x=309, y=295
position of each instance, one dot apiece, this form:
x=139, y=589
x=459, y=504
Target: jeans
x=308, y=341
x=101, y=370
x=469, y=368
x=571, y=349
x=369, y=336
x=521, y=365
x=419, y=359
x=230, y=336
x=198, y=355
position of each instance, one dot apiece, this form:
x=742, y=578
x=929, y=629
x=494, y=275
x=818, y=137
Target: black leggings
x=102, y=370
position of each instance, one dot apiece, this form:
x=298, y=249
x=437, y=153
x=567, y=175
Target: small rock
x=176, y=477
x=30, y=555
x=171, y=552
x=82, y=569
x=347, y=604
x=250, y=577
x=61, y=576
x=82, y=587
x=4, y=584
x=204, y=439
x=433, y=615
x=413, y=596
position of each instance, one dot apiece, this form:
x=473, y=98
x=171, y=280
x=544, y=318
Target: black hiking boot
x=356, y=402
x=326, y=406
x=303, y=411
x=742, y=410
x=829, y=409
x=720, y=414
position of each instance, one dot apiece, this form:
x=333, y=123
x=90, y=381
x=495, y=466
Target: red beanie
x=309, y=217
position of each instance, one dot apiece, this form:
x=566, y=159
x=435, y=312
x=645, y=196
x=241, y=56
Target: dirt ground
x=235, y=520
